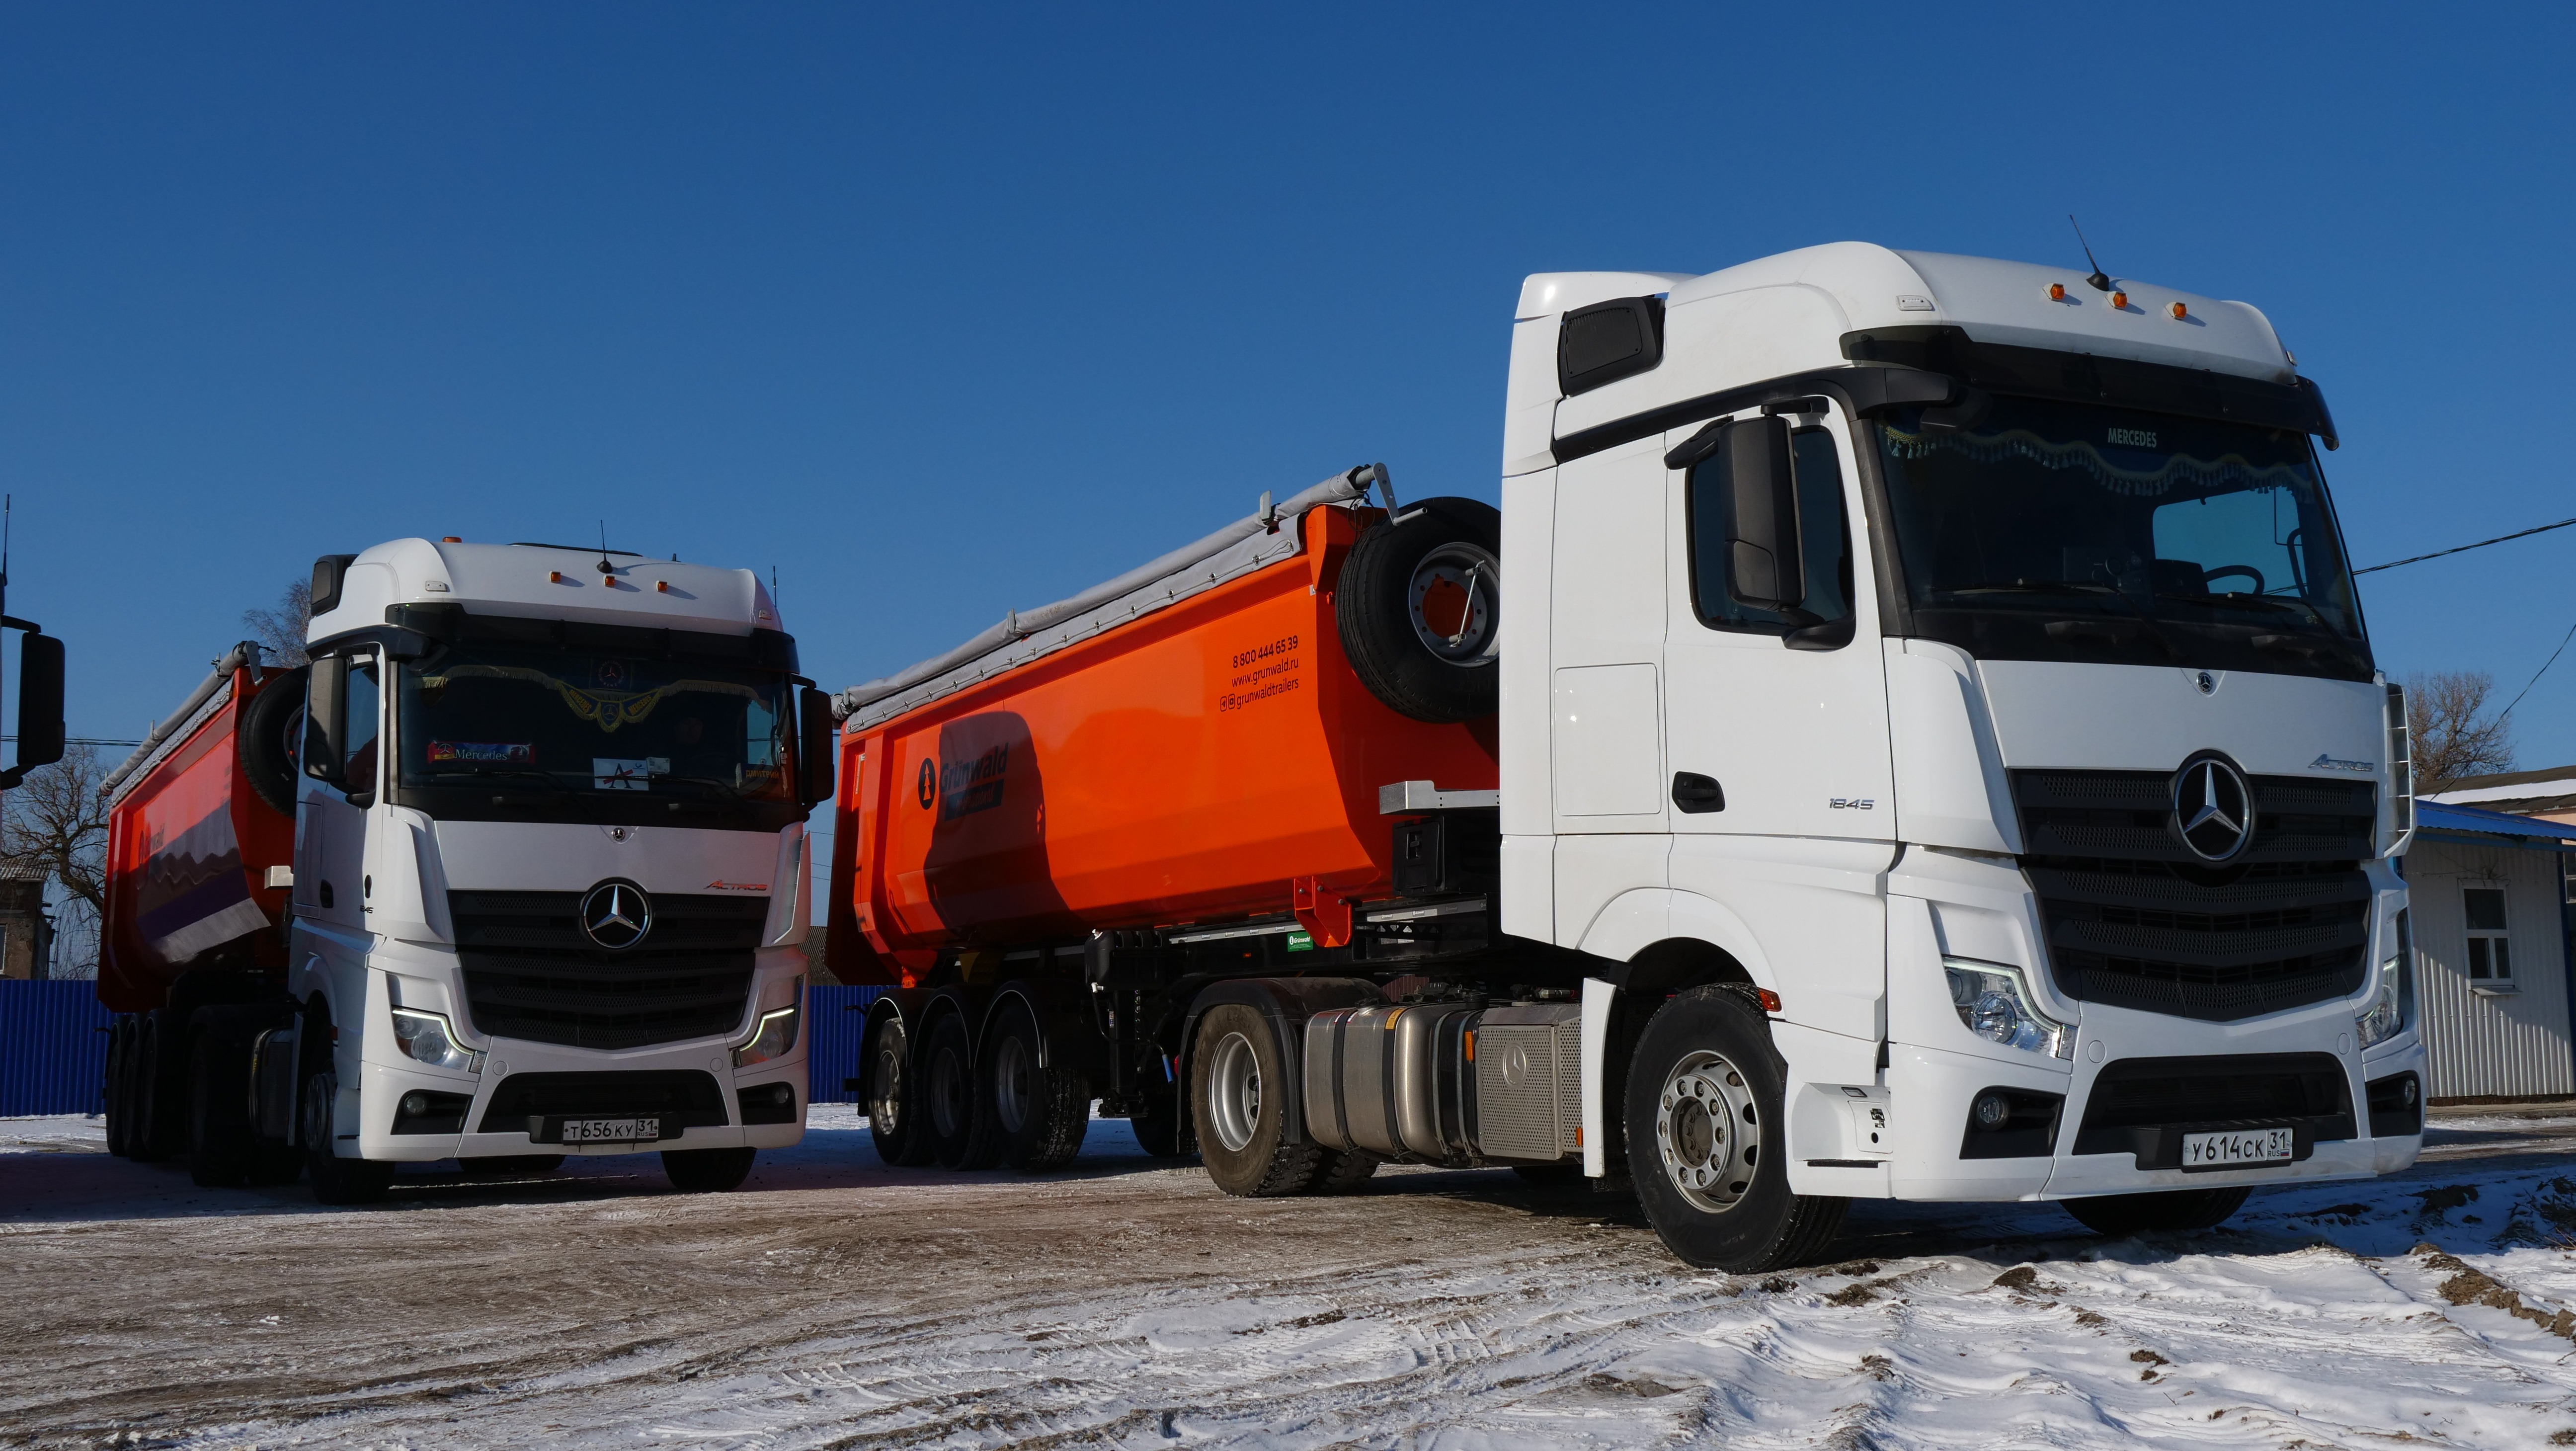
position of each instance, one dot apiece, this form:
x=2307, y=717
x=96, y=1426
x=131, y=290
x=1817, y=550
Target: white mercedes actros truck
x=1910, y=734
x=515, y=869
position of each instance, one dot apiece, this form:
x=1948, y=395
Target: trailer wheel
x=1238, y=1097
x=1704, y=1136
x=157, y=1094
x=219, y=1127
x=2167, y=1210
x=1040, y=1111
x=707, y=1171
x=271, y=732
x=961, y=1131
x=335, y=1180
x=894, y=1101
x=1419, y=610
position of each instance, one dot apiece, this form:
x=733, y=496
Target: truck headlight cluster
x=775, y=1039
x=1995, y=1003
x=431, y=1039
x=2386, y=1015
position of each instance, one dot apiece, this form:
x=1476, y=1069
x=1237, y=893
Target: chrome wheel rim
x=885, y=1102
x=1708, y=1132
x=1011, y=1086
x=1234, y=1092
x=1454, y=600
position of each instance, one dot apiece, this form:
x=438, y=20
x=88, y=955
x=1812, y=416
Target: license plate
x=2238, y=1148
x=610, y=1130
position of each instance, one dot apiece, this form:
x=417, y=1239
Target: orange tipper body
x=1206, y=761
x=189, y=845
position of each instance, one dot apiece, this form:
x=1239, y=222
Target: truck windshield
x=2071, y=531
x=565, y=723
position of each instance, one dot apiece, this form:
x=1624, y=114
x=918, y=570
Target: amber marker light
x=554, y=576
x=661, y=586
x=1769, y=1000
x=2179, y=311
x=2119, y=300
x=2057, y=292
x=450, y=539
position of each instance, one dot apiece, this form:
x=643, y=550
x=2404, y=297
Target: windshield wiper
x=2075, y=587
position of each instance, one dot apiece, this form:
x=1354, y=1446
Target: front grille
x=2144, y=1106
x=531, y=973
x=2136, y=919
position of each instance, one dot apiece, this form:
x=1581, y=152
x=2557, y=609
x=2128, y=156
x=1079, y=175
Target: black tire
x=894, y=1100
x=1158, y=1128
x=270, y=737
x=510, y=1166
x=707, y=1171
x=961, y=1135
x=159, y=1093
x=1238, y=1103
x=116, y=1085
x=1342, y=1172
x=2170, y=1211
x=1040, y=1108
x=335, y=1180
x=1705, y=1139
x=1403, y=586
x=220, y=1139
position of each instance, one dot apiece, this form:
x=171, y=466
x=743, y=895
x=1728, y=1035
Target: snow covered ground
x=837, y=1303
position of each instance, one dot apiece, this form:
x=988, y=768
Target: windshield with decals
x=2069, y=531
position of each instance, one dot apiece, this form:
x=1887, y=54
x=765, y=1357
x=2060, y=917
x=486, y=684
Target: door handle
x=1694, y=793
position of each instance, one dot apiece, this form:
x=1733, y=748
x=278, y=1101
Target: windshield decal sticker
x=721, y=885
x=501, y=753
x=604, y=708
x=608, y=773
x=2225, y=473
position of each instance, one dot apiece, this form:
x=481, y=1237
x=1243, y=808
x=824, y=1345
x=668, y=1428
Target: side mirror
x=817, y=744
x=40, y=701
x=325, y=694
x=1765, y=567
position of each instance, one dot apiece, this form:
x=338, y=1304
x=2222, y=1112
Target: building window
x=2489, y=957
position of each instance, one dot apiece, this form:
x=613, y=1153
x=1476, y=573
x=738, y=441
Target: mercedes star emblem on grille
x=2213, y=809
x=616, y=915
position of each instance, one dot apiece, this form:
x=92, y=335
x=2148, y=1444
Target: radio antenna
x=604, y=566
x=2101, y=282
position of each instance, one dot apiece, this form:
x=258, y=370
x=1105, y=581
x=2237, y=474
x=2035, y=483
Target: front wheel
x=707, y=1171
x=1707, y=1139
x=2167, y=1210
x=335, y=1180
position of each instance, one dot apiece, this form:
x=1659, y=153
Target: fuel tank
x=1209, y=760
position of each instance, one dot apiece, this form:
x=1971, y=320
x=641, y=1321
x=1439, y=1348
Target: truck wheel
x=961, y=1133
x=335, y=1180
x=156, y=1093
x=219, y=1128
x=1419, y=607
x=894, y=1104
x=1340, y=1173
x=2168, y=1210
x=1238, y=1094
x=271, y=732
x=707, y=1171
x=113, y=1085
x=1040, y=1113
x=1705, y=1139
x=1158, y=1128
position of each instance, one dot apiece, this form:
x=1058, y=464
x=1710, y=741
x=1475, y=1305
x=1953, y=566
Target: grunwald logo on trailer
x=2213, y=809
x=616, y=915
x=962, y=788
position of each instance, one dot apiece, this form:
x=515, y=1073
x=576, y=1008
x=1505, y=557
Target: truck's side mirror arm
x=325, y=696
x=40, y=701
x=1765, y=567
x=817, y=742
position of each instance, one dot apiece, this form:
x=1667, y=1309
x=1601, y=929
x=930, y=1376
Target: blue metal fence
x=53, y=1047
x=840, y=1013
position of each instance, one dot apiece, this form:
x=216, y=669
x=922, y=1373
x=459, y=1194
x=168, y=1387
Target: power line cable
x=2543, y=670
x=2481, y=544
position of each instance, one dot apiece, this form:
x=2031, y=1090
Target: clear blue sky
x=942, y=310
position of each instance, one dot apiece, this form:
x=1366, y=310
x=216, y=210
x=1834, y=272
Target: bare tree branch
x=2455, y=737
x=281, y=630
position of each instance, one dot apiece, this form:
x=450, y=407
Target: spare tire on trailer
x=272, y=732
x=1419, y=610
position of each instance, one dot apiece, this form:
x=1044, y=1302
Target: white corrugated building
x=2489, y=893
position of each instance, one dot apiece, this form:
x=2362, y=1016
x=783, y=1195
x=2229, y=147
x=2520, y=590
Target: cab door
x=1781, y=784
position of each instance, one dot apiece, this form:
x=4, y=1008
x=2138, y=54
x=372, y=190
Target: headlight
x=1995, y=1003
x=429, y=1038
x=2386, y=1015
x=777, y=1035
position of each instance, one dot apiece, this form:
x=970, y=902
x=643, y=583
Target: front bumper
x=381, y=1088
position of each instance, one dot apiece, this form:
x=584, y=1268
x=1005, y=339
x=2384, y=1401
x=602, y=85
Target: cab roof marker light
x=661, y=586
x=2179, y=311
x=2057, y=292
x=2119, y=301
x=554, y=576
x=450, y=539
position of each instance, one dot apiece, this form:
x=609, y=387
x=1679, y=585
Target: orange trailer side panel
x=1190, y=766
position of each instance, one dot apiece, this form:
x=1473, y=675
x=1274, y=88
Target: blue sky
x=942, y=310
